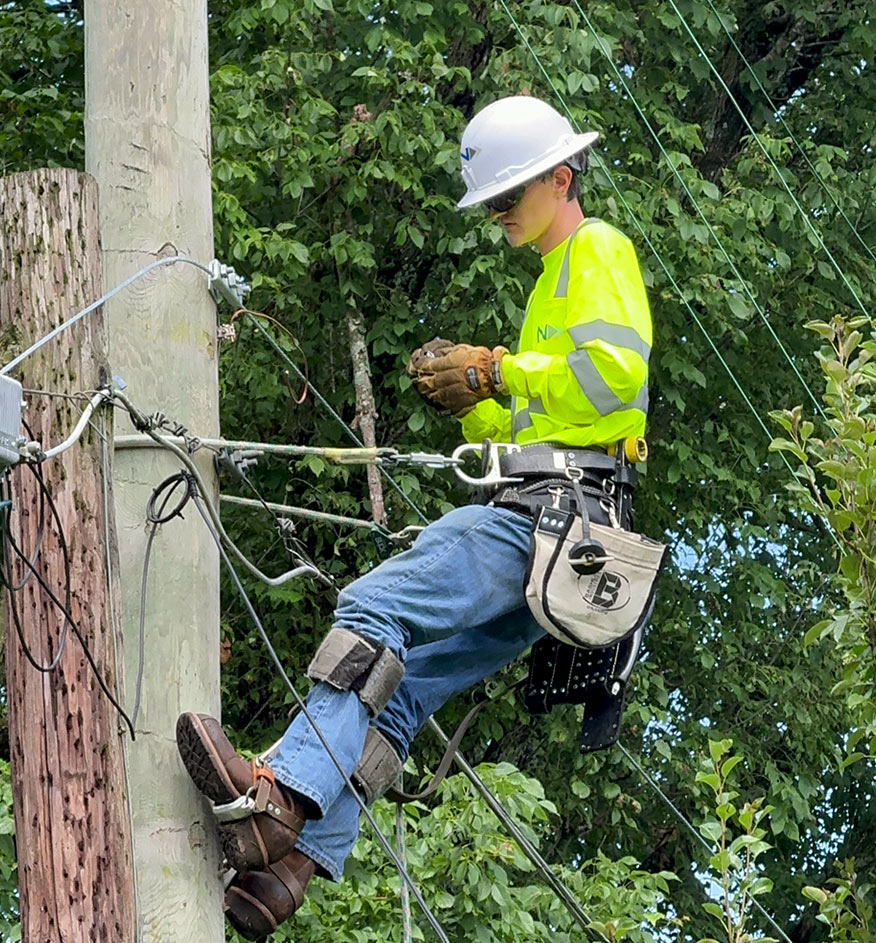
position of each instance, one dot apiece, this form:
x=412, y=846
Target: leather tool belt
x=561, y=673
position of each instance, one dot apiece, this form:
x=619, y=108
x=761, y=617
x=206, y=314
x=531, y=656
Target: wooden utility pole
x=147, y=142
x=68, y=782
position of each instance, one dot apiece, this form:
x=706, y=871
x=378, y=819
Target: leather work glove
x=462, y=377
x=423, y=356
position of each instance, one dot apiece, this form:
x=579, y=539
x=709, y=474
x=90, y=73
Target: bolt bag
x=587, y=584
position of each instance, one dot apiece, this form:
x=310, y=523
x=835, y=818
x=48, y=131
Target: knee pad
x=350, y=662
x=379, y=767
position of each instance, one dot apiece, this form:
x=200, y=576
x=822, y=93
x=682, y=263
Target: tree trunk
x=68, y=780
x=366, y=412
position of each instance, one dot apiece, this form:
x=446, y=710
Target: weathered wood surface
x=147, y=143
x=71, y=813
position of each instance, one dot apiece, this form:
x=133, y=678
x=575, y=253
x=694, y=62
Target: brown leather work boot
x=222, y=775
x=257, y=902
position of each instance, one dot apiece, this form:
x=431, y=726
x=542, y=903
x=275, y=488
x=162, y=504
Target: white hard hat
x=512, y=141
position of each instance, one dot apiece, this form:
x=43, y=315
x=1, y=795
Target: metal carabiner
x=493, y=474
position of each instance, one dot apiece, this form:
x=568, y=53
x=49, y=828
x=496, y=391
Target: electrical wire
x=777, y=113
x=38, y=542
x=404, y=893
x=559, y=888
x=606, y=52
x=686, y=822
x=156, y=519
x=84, y=419
x=641, y=229
x=65, y=610
x=170, y=260
x=732, y=98
x=302, y=706
x=143, y=424
x=298, y=400
x=293, y=545
x=321, y=399
x=8, y=581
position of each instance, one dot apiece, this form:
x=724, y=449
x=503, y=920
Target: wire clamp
x=227, y=285
x=226, y=332
x=237, y=461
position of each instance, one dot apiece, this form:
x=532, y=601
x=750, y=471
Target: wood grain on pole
x=71, y=813
x=147, y=143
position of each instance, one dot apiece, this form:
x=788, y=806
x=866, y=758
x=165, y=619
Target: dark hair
x=577, y=164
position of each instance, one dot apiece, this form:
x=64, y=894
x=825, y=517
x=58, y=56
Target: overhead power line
x=170, y=260
x=777, y=113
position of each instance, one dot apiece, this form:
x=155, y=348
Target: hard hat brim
x=578, y=143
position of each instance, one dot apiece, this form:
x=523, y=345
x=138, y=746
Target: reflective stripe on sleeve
x=619, y=335
x=603, y=399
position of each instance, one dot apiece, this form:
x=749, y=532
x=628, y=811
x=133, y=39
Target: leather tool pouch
x=589, y=585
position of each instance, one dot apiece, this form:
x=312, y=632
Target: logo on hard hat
x=469, y=153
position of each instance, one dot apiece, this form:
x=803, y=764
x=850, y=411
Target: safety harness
x=552, y=485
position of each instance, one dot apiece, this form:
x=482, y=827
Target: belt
x=557, y=492
x=545, y=460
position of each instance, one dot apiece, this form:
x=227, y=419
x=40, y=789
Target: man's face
x=530, y=218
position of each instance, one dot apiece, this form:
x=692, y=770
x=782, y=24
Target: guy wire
x=384, y=842
x=685, y=821
x=169, y=260
x=777, y=113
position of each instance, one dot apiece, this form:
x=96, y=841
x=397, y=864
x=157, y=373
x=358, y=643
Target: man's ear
x=562, y=180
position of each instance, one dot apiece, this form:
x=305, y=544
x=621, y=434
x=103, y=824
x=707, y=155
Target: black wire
x=298, y=552
x=7, y=578
x=387, y=847
x=40, y=527
x=65, y=610
x=156, y=519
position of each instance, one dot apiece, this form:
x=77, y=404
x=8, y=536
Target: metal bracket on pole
x=227, y=285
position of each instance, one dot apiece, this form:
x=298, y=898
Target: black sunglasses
x=503, y=202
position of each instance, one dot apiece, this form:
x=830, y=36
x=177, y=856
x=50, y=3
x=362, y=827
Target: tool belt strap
x=551, y=461
x=527, y=499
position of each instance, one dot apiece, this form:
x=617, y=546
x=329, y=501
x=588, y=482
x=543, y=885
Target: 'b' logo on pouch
x=605, y=590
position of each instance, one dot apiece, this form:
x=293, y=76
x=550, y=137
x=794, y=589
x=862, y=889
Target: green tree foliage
x=335, y=130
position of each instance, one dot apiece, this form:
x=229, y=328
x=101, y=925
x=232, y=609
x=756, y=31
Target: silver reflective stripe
x=562, y=288
x=536, y=405
x=618, y=335
x=603, y=399
x=521, y=421
x=592, y=384
x=641, y=400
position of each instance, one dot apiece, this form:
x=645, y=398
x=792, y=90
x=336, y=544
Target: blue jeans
x=452, y=608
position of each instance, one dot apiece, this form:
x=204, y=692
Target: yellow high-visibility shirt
x=580, y=374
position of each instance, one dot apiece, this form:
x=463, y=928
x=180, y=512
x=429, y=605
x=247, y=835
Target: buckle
x=260, y=771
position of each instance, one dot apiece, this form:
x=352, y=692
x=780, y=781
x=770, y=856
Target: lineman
x=441, y=616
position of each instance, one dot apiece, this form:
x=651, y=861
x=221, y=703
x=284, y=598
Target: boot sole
x=246, y=927
x=202, y=760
